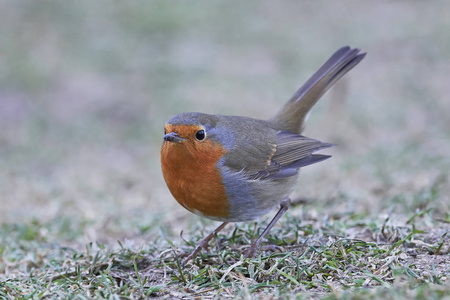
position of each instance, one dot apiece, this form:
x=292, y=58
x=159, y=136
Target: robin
x=235, y=169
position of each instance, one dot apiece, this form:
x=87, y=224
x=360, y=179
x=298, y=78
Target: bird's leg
x=203, y=243
x=284, y=206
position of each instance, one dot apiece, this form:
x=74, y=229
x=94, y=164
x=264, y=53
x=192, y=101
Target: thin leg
x=203, y=243
x=284, y=206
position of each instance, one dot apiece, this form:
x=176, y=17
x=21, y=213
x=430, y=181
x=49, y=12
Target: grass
x=86, y=88
x=334, y=257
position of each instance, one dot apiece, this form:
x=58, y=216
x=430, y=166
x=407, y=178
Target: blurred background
x=86, y=87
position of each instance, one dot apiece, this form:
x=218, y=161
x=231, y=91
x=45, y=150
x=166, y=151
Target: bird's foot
x=254, y=249
x=202, y=244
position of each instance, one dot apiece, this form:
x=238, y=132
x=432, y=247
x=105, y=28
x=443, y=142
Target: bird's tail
x=293, y=115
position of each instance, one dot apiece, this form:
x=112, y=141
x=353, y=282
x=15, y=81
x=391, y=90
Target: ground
x=85, y=91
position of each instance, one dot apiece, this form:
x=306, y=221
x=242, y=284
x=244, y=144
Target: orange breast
x=190, y=172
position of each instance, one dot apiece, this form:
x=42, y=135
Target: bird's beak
x=173, y=137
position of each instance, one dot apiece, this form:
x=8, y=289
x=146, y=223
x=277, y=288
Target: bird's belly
x=204, y=198
x=250, y=199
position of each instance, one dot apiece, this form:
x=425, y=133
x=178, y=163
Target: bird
x=237, y=169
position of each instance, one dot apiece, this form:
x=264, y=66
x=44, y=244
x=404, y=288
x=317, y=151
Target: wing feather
x=293, y=151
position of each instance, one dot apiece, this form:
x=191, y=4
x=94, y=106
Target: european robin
x=234, y=169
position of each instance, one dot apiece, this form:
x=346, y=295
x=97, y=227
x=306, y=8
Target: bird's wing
x=292, y=152
x=254, y=152
x=267, y=152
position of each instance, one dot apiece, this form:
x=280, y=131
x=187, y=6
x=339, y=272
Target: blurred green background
x=86, y=87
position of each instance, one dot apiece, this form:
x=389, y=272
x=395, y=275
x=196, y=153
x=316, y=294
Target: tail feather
x=293, y=115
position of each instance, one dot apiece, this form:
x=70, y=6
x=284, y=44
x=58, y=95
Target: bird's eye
x=200, y=135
